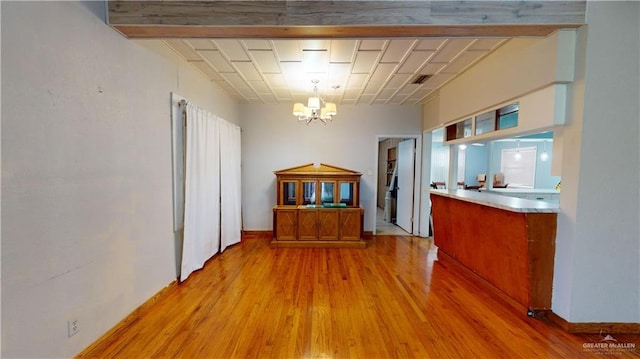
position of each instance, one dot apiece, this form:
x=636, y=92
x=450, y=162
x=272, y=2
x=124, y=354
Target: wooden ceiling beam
x=335, y=32
x=332, y=19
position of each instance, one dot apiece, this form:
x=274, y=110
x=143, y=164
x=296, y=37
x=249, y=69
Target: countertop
x=521, y=190
x=507, y=203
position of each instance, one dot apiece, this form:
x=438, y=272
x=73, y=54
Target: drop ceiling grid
x=351, y=71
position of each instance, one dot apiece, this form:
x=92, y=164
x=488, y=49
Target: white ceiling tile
x=291, y=68
x=300, y=98
x=276, y=80
x=254, y=44
x=386, y=93
x=316, y=44
x=201, y=44
x=397, y=50
x=265, y=60
x=484, y=44
x=226, y=87
x=372, y=44
x=232, y=49
x=379, y=101
x=234, y=80
x=282, y=92
x=216, y=60
x=414, y=62
x=397, y=99
x=207, y=70
x=335, y=97
x=357, y=81
x=451, y=49
x=372, y=88
x=293, y=73
x=366, y=71
x=288, y=50
x=461, y=62
x=432, y=68
x=398, y=80
x=268, y=98
x=365, y=60
x=408, y=89
x=430, y=44
x=247, y=70
x=346, y=101
x=247, y=93
x=382, y=72
x=315, y=61
x=303, y=83
x=338, y=73
x=366, y=98
x=437, y=81
x=418, y=95
x=342, y=50
x=260, y=87
x=183, y=49
x=351, y=94
x=306, y=79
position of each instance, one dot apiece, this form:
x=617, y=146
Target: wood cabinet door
x=288, y=193
x=286, y=223
x=308, y=225
x=329, y=223
x=350, y=224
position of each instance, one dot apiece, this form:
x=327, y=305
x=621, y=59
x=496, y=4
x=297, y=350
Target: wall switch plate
x=73, y=327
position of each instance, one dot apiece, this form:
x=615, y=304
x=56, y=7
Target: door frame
x=417, y=162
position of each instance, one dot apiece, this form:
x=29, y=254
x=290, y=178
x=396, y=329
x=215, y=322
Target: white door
x=404, y=204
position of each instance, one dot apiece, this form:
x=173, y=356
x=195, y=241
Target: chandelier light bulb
x=314, y=109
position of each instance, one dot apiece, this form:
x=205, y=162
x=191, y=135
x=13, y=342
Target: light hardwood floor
x=390, y=300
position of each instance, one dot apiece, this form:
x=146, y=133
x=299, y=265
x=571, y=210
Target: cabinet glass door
x=289, y=193
x=328, y=192
x=346, y=193
x=308, y=192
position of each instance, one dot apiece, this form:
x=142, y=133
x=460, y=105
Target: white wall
x=272, y=139
x=533, y=64
x=431, y=114
x=86, y=173
x=597, y=275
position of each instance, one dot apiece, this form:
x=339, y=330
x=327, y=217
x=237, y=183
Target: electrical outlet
x=73, y=327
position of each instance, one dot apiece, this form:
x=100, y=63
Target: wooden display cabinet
x=318, y=207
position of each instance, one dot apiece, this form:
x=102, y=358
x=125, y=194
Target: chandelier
x=313, y=111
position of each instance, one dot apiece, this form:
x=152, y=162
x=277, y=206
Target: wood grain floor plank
x=393, y=299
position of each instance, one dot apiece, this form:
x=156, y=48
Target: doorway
x=397, y=185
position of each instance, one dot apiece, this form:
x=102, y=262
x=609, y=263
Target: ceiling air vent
x=420, y=79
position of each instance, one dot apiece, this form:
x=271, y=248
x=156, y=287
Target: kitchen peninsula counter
x=486, y=198
x=508, y=242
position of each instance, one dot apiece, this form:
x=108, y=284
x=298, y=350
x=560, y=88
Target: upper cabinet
x=484, y=123
x=325, y=185
x=538, y=111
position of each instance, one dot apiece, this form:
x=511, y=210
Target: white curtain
x=202, y=190
x=230, y=183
